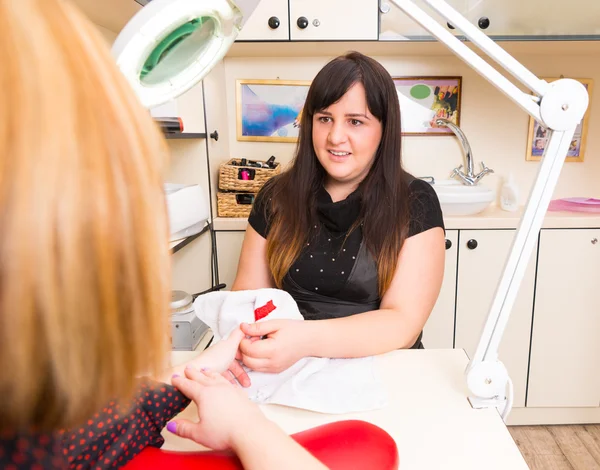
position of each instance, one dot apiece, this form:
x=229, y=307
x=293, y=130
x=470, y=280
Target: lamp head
x=170, y=45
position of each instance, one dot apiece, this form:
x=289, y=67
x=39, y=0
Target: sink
x=459, y=199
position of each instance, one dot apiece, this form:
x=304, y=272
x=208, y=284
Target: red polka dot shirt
x=109, y=439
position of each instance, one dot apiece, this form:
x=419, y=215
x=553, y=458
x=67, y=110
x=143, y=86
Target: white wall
x=495, y=127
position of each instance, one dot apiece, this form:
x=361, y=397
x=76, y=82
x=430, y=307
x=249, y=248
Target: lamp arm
x=559, y=106
x=523, y=100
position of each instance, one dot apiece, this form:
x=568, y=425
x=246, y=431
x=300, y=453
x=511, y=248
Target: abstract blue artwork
x=269, y=110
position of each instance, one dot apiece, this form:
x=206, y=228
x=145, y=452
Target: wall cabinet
x=439, y=329
x=269, y=22
x=565, y=349
x=511, y=19
x=313, y=20
x=481, y=258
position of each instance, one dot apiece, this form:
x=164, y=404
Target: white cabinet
x=229, y=247
x=481, y=258
x=269, y=22
x=439, y=329
x=349, y=20
x=313, y=20
x=533, y=19
x=565, y=349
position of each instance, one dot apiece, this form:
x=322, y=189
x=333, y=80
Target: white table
x=428, y=415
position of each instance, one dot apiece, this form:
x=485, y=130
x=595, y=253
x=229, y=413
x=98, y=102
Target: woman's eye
x=355, y=122
x=324, y=119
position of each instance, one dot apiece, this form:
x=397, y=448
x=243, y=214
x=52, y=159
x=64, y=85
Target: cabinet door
x=269, y=22
x=350, y=20
x=533, y=19
x=439, y=329
x=565, y=348
x=482, y=255
x=229, y=247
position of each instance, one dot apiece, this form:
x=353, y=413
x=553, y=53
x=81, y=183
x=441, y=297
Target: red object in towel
x=262, y=312
x=341, y=445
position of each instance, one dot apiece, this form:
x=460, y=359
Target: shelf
x=186, y=135
x=179, y=244
x=405, y=48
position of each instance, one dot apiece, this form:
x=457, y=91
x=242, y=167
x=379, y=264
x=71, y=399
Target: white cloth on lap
x=317, y=384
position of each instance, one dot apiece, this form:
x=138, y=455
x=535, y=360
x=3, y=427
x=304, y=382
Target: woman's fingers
x=257, y=349
x=202, y=376
x=189, y=388
x=238, y=372
x=258, y=364
x=185, y=428
x=236, y=336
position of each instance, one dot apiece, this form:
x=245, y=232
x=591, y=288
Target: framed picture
x=269, y=110
x=538, y=136
x=424, y=99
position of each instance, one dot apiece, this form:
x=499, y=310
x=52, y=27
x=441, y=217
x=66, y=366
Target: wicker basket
x=234, y=204
x=230, y=177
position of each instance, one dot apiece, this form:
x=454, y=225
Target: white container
x=509, y=195
x=188, y=209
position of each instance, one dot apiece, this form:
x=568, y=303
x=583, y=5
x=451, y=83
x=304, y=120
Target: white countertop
x=429, y=416
x=492, y=218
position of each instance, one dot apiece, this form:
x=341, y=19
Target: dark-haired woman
x=355, y=239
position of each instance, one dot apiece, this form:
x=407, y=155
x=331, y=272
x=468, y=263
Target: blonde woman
x=85, y=268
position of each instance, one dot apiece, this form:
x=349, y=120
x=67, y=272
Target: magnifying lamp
x=170, y=45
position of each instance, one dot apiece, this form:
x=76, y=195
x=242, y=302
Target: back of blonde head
x=84, y=259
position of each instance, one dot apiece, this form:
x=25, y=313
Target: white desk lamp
x=197, y=34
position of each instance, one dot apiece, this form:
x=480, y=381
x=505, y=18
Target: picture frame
x=537, y=136
x=269, y=110
x=423, y=99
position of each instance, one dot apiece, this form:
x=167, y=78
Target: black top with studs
x=327, y=260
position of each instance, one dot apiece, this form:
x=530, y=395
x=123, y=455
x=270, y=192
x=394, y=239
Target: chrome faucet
x=469, y=178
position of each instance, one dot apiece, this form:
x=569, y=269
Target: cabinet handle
x=214, y=135
x=484, y=22
x=450, y=26
x=274, y=22
x=302, y=22
x=472, y=244
x=594, y=241
x=384, y=7
x=448, y=244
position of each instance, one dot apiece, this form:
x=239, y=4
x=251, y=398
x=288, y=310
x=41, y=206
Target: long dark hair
x=383, y=192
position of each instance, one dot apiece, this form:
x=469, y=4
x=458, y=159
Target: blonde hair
x=84, y=258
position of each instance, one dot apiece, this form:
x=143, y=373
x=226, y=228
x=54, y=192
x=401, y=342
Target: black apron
x=360, y=294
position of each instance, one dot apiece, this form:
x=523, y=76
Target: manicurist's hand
x=283, y=343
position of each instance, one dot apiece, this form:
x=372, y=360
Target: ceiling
x=110, y=14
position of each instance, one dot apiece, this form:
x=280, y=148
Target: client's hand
x=219, y=356
x=224, y=410
x=282, y=343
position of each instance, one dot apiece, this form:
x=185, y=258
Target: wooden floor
x=559, y=447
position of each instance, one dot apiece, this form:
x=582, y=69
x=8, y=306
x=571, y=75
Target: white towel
x=318, y=384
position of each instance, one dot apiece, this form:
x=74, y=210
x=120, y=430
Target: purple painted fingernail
x=205, y=369
x=172, y=427
x=175, y=376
